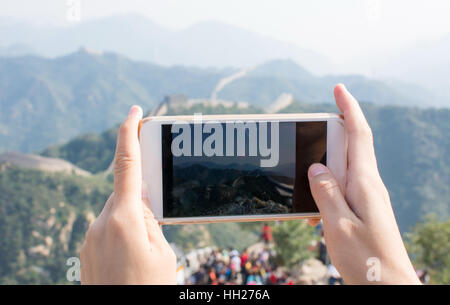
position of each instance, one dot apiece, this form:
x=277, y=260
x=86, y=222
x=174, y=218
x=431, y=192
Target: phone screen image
x=256, y=169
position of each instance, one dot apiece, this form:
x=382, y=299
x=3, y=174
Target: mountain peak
x=282, y=68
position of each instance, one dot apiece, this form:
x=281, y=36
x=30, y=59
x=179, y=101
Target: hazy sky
x=345, y=31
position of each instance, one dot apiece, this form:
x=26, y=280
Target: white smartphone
x=218, y=168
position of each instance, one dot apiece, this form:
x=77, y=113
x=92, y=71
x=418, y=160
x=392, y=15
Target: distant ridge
x=205, y=44
x=30, y=161
x=89, y=92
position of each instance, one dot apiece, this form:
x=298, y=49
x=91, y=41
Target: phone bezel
x=151, y=158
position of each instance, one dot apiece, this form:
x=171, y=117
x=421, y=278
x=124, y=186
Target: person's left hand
x=125, y=244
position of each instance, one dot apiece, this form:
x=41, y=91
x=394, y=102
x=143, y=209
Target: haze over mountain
x=427, y=64
x=217, y=44
x=207, y=44
x=48, y=101
x=17, y=49
x=268, y=81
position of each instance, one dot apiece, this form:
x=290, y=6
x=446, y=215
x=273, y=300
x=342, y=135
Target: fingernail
x=317, y=169
x=134, y=110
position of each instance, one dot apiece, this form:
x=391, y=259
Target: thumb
x=326, y=192
x=127, y=160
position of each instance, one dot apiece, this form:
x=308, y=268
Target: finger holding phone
x=360, y=227
x=125, y=244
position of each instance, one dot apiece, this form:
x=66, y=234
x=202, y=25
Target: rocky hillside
x=43, y=219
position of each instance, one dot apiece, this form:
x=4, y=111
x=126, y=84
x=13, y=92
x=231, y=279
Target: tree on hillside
x=429, y=246
x=292, y=239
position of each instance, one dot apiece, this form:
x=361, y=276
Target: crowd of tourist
x=228, y=267
x=250, y=267
x=253, y=266
x=257, y=265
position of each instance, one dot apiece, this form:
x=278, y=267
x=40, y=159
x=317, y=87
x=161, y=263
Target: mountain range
x=220, y=45
x=266, y=82
x=47, y=101
x=65, y=106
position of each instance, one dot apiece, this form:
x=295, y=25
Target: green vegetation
x=43, y=219
x=413, y=153
x=429, y=245
x=292, y=239
x=93, y=152
x=49, y=101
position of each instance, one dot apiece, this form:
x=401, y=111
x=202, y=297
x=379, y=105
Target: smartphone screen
x=249, y=169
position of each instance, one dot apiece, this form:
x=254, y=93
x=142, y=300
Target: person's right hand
x=361, y=224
